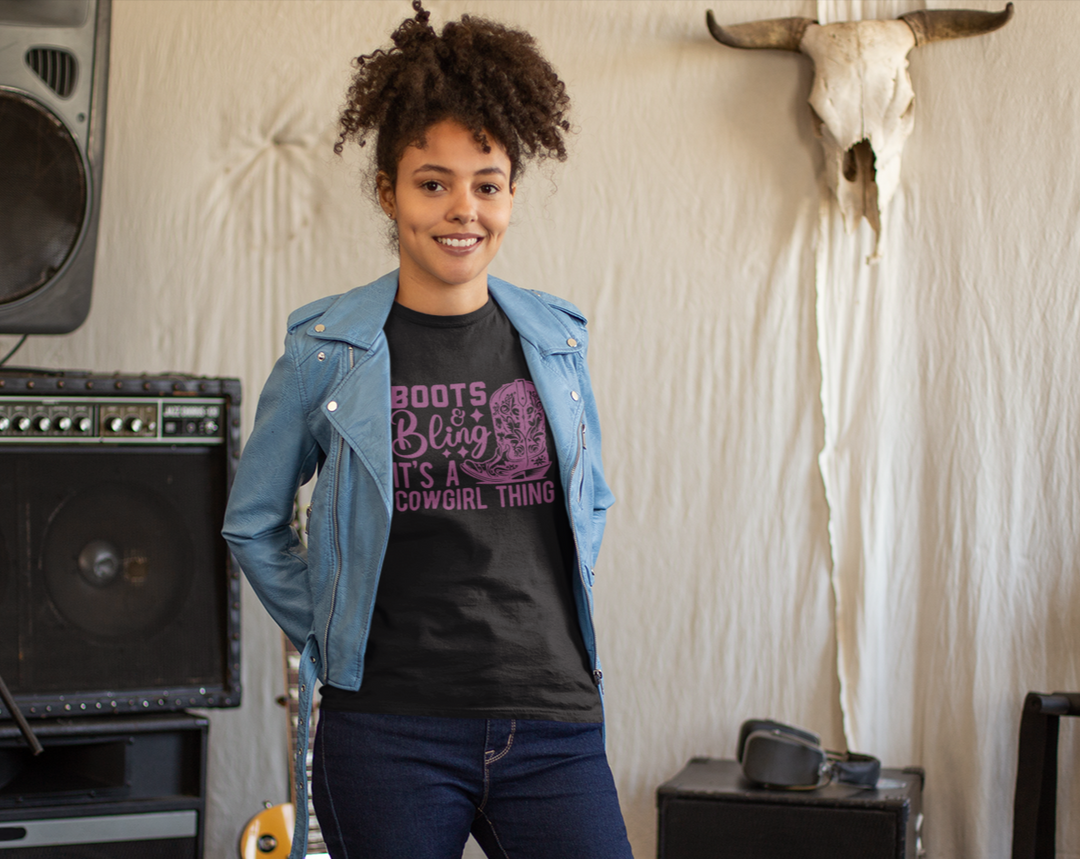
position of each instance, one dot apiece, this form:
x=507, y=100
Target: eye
x=489, y=190
x=431, y=185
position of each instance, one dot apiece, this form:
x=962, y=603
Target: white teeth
x=458, y=243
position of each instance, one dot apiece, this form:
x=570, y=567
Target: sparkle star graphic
x=462, y=452
x=476, y=415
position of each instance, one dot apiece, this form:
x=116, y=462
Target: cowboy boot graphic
x=520, y=437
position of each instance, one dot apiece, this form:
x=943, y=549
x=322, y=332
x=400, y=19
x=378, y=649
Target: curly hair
x=488, y=77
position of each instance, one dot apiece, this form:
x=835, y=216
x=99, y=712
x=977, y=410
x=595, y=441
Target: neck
x=441, y=300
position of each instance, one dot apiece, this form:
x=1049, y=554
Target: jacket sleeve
x=281, y=455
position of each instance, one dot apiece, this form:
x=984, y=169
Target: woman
x=444, y=596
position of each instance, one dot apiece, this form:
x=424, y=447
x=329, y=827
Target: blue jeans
x=414, y=787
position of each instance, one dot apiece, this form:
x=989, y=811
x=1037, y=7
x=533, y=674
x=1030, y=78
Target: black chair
x=1035, y=802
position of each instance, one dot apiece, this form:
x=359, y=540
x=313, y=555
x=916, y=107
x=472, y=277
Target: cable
x=15, y=349
x=13, y=709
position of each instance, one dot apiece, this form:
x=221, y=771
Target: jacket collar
x=358, y=316
x=533, y=319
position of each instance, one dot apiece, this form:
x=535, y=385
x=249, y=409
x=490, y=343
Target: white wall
x=847, y=495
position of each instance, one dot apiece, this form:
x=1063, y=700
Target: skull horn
x=941, y=24
x=781, y=34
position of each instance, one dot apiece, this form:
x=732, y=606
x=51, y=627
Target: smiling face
x=452, y=203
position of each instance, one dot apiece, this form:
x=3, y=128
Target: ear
x=386, y=194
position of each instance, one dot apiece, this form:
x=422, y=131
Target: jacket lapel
x=545, y=340
x=359, y=406
x=359, y=409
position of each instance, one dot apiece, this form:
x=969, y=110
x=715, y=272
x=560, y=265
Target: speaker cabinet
x=54, y=61
x=116, y=788
x=117, y=591
x=709, y=811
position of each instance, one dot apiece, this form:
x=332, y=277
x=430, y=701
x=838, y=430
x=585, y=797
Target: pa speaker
x=121, y=788
x=709, y=810
x=54, y=61
x=117, y=591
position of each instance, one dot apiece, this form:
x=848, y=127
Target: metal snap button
x=320, y=328
x=571, y=342
x=574, y=395
x=321, y=356
x=331, y=406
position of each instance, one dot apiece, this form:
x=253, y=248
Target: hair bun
x=416, y=31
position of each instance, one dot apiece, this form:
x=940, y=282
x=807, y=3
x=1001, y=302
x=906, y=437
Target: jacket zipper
x=337, y=545
x=597, y=676
x=581, y=482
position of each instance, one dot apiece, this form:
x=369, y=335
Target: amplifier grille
x=44, y=193
x=694, y=829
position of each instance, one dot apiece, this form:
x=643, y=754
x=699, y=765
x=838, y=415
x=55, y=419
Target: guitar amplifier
x=709, y=810
x=117, y=591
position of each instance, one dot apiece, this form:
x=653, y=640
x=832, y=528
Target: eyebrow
x=446, y=171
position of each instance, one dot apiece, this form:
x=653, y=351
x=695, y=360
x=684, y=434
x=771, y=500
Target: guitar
x=268, y=835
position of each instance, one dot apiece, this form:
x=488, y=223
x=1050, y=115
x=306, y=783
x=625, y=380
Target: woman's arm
x=280, y=456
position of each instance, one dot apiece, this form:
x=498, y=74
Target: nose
x=462, y=209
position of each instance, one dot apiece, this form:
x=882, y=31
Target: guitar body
x=268, y=835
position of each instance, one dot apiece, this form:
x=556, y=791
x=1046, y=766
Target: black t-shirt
x=474, y=614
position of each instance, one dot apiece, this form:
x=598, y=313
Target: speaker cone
x=117, y=561
x=45, y=194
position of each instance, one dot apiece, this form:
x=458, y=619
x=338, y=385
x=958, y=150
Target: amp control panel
x=101, y=420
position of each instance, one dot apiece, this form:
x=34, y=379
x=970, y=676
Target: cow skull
x=862, y=98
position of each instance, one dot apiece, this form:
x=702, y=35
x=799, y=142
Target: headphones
x=776, y=755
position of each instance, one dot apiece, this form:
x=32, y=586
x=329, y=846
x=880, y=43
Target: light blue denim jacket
x=326, y=408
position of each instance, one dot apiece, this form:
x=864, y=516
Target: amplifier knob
x=211, y=427
x=5, y=422
x=22, y=423
x=115, y=424
x=64, y=423
x=83, y=424
x=42, y=423
x=134, y=424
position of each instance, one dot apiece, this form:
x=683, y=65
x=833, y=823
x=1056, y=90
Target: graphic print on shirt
x=520, y=437
x=447, y=457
